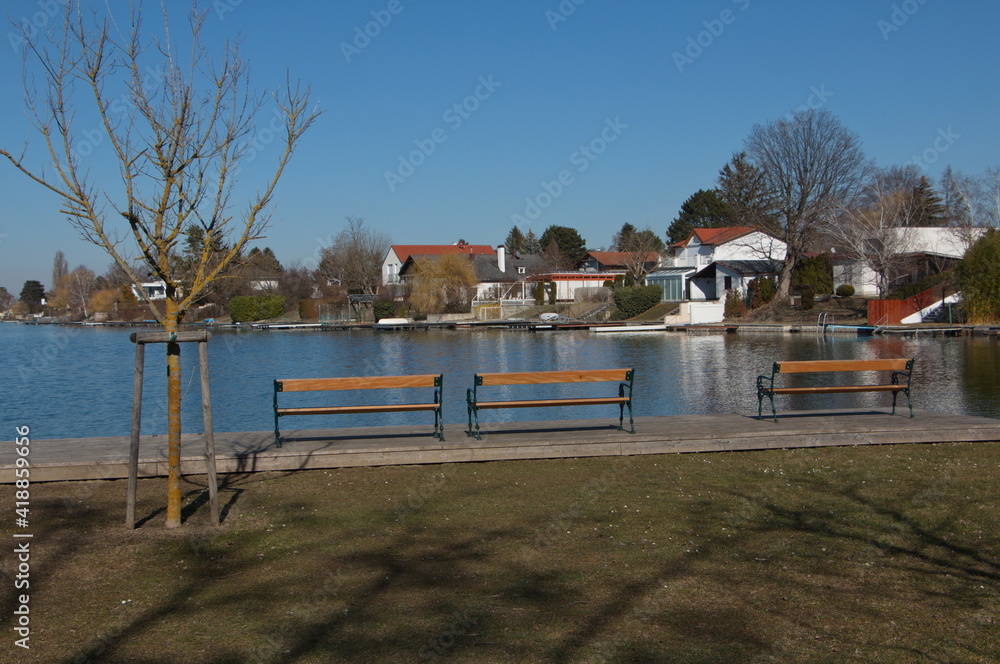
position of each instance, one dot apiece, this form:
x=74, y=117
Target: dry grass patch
x=868, y=554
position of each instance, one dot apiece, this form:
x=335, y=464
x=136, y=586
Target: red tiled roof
x=715, y=236
x=404, y=251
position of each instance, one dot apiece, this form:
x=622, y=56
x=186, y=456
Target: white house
x=398, y=253
x=927, y=249
x=154, y=290
x=711, y=261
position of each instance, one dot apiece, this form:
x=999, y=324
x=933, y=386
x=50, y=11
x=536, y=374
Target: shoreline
x=532, y=325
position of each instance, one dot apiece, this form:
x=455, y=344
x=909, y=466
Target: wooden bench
x=622, y=400
x=360, y=383
x=900, y=368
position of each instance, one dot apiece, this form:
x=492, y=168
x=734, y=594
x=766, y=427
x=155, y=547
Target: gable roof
x=488, y=268
x=715, y=236
x=620, y=257
x=404, y=251
x=742, y=268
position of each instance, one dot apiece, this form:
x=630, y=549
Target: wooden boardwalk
x=106, y=458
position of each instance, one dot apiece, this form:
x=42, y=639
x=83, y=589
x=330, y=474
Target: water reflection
x=69, y=382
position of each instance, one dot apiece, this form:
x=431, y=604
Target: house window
x=727, y=283
x=522, y=270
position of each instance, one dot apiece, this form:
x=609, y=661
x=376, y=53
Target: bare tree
x=812, y=167
x=60, y=268
x=179, y=133
x=80, y=283
x=354, y=261
x=973, y=201
x=873, y=231
x=642, y=249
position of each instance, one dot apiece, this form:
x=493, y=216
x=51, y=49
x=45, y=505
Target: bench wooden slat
x=355, y=383
x=623, y=399
x=901, y=368
x=824, y=389
x=546, y=377
x=435, y=381
x=335, y=410
x=816, y=366
x=528, y=403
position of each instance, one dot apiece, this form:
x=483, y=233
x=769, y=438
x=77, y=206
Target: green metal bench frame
x=623, y=400
x=361, y=383
x=900, y=368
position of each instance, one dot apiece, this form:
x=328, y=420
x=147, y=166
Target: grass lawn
x=855, y=554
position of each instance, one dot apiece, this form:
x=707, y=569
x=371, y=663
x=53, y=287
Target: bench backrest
x=356, y=383
x=811, y=366
x=543, y=377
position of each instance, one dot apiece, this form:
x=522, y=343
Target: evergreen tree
x=32, y=294
x=929, y=209
x=515, y=241
x=742, y=186
x=624, y=238
x=703, y=209
x=571, y=246
x=531, y=243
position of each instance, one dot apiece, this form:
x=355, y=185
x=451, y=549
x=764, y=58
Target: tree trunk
x=171, y=325
x=785, y=277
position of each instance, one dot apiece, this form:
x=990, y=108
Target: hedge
x=634, y=300
x=249, y=308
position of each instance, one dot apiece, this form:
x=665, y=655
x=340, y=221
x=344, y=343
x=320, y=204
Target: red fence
x=892, y=312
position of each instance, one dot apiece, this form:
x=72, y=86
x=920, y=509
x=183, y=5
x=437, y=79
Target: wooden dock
x=106, y=458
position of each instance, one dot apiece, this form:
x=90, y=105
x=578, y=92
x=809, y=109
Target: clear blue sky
x=901, y=74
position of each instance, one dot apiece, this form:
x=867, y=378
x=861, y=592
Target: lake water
x=67, y=382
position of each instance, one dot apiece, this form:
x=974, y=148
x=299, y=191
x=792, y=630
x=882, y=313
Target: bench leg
x=473, y=414
x=760, y=405
x=439, y=423
x=277, y=432
x=908, y=401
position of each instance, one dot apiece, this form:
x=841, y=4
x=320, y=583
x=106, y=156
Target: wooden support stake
x=206, y=406
x=133, y=452
x=140, y=340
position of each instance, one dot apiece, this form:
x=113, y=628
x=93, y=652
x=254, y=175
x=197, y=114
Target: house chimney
x=502, y=258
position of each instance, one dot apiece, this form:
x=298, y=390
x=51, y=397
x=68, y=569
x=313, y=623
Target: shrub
x=845, y=290
x=539, y=294
x=249, y=308
x=808, y=297
x=383, y=309
x=979, y=278
x=630, y=302
x=760, y=291
x=552, y=292
x=734, y=307
x=815, y=272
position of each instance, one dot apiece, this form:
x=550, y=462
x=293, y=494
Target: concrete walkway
x=106, y=458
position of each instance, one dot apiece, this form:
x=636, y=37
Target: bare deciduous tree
x=812, y=166
x=80, y=283
x=354, y=261
x=179, y=128
x=872, y=232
